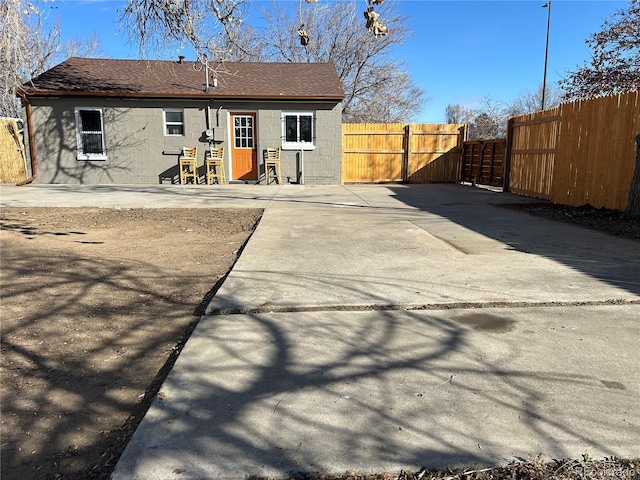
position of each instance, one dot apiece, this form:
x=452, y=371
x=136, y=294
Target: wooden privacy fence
x=578, y=153
x=394, y=152
x=13, y=162
x=483, y=161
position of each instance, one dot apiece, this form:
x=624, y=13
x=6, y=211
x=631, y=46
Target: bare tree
x=377, y=86
x=25, y=49
x=89, y=47
x=615, y=62
x=457, y=113
x=529, y=102
x=28, y=49
x=486, y=120
x=484, y=127
x=239, y=43
x=155, y=25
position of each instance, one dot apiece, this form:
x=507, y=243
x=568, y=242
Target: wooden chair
x=272, y=162
x=188, y=164
x=215, y=166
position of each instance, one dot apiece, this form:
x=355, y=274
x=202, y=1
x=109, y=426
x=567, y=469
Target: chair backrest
x=272, y=154
x=216, y=153
x=189, y=152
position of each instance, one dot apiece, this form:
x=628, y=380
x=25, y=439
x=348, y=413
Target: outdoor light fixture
x=546, y=52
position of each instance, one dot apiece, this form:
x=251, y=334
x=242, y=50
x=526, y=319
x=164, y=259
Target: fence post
x=463, y=162
x=633, y=206
x=506, y=174
x=406, y=156
x=462, y=138
x=474, y=151
x=493, y=161
x=480, y=178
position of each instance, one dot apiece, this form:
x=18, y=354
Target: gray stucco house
x=105, y=121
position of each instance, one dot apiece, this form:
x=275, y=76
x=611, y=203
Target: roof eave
x=192, y=96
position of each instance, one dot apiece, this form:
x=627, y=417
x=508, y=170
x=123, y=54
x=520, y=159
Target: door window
x=243, y=131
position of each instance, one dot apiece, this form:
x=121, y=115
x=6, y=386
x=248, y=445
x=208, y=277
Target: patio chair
x=188, y=164
x=272, y=163
x=215, y=166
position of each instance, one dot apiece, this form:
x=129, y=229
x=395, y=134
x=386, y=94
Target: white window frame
x=165, y=124
x=81, y=155
x=298, y=144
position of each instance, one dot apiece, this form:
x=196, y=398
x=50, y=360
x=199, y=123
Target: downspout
x=32, y=146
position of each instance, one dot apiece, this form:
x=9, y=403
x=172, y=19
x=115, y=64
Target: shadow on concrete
x=277, y=394
x=613, y=260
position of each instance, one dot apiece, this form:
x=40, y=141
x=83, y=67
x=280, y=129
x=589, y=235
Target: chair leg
x=216, y=171
x=275, y=167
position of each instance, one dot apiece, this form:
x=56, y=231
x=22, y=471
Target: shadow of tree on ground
x=278, y=394
x=87, y=327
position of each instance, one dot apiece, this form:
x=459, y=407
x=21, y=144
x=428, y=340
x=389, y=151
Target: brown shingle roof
x=142, y=78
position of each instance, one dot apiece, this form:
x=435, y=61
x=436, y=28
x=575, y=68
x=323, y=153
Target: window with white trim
x=173, y=121
x=298, y=131
x=90, y=134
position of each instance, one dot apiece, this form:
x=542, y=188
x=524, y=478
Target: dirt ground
x=96, y=306
x=605, y=220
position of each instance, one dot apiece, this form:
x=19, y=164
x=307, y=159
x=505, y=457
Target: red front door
x=244, y=156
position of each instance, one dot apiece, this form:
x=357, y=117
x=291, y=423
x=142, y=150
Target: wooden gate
x=531, y=148
x=396, y=152
x=483, y=162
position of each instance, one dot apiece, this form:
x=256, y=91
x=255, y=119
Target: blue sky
x=461, y=51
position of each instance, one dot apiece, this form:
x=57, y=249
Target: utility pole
x=546, y=52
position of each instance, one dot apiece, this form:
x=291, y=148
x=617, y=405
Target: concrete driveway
x=380, y=328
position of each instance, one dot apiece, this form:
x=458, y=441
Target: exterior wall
x=138, y=152
x=137, y=149
x=320, y=166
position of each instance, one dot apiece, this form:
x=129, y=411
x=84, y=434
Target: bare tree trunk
x=633, y=207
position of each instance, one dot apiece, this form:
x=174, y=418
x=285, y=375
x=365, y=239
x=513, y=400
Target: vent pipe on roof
x=206, y=73
x=181, y=59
